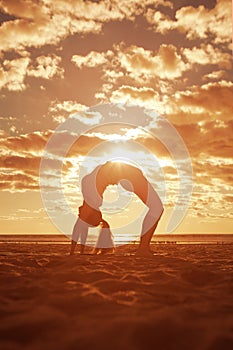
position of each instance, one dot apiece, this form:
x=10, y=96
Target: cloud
x=99, y=12
x=83, y=145
x=24, y=9
x=46, y=67
x=48, y=22
x=141, y=96
x=214, y=75
x=88, y=117
x=208, y=139
x=91, y=60
x=3, y=132
x=212, y=100
x=212, y=171
x=212, y=140
x=13, y=73
x=207, y=54
x=20, y=162
x=24, y=145
x=166, y=64
x=196, y=22
x=60, y=111
x=112, y=75
x=18, y=181
x=18, y=172
x=66, y=106
x=161, y=22
x=140, y=74
x=217, y=174
x=21, y=156
x=180, y=80
x=117, y=133
x=44, y=23
x=228, y=199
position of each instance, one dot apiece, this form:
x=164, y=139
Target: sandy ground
x=182, y=298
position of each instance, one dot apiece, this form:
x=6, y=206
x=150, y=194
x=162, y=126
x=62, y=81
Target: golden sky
x=58, y=58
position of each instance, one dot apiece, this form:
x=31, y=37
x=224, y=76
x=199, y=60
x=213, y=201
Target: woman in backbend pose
x=130, y=178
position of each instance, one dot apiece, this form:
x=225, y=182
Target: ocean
x=198, y=238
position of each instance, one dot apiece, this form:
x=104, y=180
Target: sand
x=182, y=298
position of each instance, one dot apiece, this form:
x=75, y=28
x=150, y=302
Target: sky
x=59, y=59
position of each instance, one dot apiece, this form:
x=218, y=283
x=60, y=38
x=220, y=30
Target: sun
x=122, y=154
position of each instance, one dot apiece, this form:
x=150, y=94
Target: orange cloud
x=214, y=75
x=140, y=96
x=47, y=22
x=207, y=54
x=17, y=162
x=212, y=140
x=216, y=175
x=18, y=181
x=161, y=22
x=212, y=100
x=46, y=67
x=208, y=139
x=24, y=145
x=144, y=75
x=135, y=63
x=166, y=64
x=60, y=111
x=12, y=74
x=20, y=161
x=196, y=23
x=91, y=60
x=19, y=173
x=24, y=9
x=43, y=23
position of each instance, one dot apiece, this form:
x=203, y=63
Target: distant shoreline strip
x=157, y=239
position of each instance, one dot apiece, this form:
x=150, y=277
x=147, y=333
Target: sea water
x=198, y=238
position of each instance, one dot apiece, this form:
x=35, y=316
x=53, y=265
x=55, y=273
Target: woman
x=130, y=178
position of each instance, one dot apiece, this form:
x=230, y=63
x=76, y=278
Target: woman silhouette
x=131, y=179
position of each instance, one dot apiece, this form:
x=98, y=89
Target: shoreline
x=210, y=238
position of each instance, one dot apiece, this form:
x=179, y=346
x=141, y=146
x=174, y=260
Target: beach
x=181, y=298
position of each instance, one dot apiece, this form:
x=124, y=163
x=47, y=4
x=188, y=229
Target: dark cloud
x=18, y=181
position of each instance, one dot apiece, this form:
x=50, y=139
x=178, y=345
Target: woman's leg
x=144, y=190
x=151, y=219
x=149, y=225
